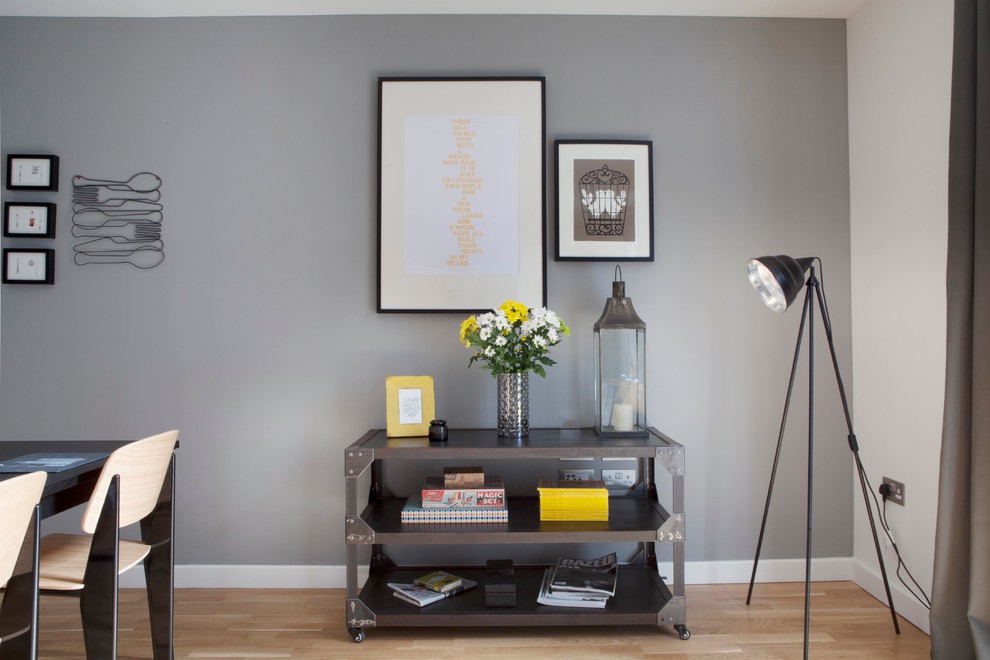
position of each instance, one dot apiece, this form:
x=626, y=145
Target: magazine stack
x=431, y=588
x=579, y=582
x=462, y=495
x=573, y=500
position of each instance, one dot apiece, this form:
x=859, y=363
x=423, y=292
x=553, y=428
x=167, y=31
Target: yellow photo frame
x=410, y=405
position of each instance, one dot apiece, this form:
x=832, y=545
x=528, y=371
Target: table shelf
x=630, y=520
x=639, y=596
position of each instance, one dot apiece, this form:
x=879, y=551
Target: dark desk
x=66, y=489
x=69, y=488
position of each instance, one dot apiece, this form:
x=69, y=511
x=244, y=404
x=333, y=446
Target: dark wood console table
x=642, y=597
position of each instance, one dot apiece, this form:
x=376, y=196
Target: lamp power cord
x=884, y=490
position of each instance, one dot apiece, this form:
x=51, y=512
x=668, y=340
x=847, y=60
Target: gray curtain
x=960, y=616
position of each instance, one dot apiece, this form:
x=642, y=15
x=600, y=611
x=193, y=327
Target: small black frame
x=28, y=220
x=32, y=172
x=20, y=268
x=604, y=194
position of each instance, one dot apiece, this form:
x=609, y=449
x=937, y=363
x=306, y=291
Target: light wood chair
x=135, y=485
x=20, y=518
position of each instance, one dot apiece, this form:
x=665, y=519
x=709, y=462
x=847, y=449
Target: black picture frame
x=32, y=172
x=461, y=193
x=604, y=200
x=29, y=220
x=20, y=268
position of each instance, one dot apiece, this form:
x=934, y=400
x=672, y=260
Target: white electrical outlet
x=619, y=477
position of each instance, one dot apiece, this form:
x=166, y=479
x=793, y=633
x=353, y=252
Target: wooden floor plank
x=846, y=622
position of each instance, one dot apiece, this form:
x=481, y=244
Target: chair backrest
x=142, y=466
x=18, y=497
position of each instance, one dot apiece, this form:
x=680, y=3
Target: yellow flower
x=470, y=324
x=514, y=311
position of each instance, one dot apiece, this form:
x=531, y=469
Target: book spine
x=463, y=498
x=454, y=515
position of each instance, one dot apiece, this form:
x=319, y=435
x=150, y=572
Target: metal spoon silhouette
x=142, y=258
x=140, y=182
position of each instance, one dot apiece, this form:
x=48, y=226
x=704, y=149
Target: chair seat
x=63, y=560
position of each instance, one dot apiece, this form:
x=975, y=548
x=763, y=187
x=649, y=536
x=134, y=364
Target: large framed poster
x=461, y=195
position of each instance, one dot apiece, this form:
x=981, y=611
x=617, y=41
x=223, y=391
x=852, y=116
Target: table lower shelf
x=639, y=597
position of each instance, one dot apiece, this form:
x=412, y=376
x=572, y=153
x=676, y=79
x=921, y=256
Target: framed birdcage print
x=461, y=195
x=604, y=195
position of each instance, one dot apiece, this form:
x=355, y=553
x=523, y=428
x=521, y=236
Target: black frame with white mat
x=32, y=172
x=28, y=266
x=28, y=220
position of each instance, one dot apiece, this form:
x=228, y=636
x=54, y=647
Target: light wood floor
x=846, y=622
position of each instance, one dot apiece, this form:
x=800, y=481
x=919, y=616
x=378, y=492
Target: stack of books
x=573, y=500
x=462, y=495
x=431, y=588
x=579, y=582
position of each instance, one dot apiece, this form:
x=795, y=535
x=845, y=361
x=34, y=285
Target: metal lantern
x=620, y=367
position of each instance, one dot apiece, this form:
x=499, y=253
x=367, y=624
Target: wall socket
x=625, y=478
x=896, y=491
x=577, y=475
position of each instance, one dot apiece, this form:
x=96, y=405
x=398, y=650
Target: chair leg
x=98, y=599
x=158, y=577
x=157, y=531
x=15, y=614
x=19, y=609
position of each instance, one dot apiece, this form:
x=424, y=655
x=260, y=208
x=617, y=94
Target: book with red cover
x=435, y=496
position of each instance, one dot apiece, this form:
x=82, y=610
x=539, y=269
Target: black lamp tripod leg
x=854, y=447
x=811, y=464
x=780, y=440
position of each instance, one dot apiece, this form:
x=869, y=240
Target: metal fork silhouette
x=129, y=231
x=104, y=194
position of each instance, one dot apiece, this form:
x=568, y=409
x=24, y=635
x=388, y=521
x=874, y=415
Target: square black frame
x=607, y=184
x=9, y=232
x=15, y=175
x=48, y=276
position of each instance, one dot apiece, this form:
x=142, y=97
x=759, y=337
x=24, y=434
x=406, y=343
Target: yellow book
x=573, y=500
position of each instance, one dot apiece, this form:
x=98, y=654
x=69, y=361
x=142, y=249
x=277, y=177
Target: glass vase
x=513, y=404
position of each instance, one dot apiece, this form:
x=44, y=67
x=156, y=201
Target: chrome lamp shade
x=778, y=279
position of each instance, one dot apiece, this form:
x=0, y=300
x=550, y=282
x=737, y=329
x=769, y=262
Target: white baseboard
x=244, y=576
x=868, y=577
x=770, y=570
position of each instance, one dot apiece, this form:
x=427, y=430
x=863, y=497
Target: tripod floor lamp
x=778, y=280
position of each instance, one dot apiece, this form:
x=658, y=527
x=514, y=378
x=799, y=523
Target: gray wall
x=258, y=337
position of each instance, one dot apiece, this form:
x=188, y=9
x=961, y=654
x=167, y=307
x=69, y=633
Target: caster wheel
x=683, y=632
x=356, y=634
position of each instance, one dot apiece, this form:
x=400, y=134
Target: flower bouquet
x=513, y=338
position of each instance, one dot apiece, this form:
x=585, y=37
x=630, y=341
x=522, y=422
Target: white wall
x=899, y=58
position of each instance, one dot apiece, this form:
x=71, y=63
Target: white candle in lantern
x=622, y=417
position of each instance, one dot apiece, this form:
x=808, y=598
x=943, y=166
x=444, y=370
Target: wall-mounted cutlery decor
x=119, y=222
